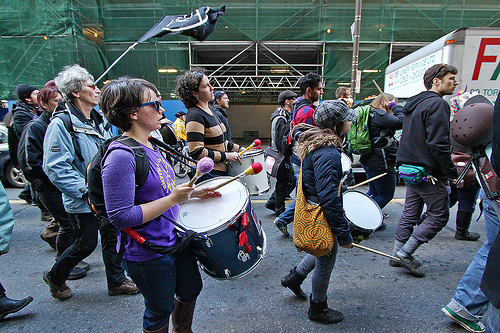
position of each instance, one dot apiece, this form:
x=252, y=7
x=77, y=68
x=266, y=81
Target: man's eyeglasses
x=93, y=86
x=157, y=105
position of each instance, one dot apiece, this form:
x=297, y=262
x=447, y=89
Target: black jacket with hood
x=382, y=127
x=425, y=140
x=222, y=115
x=22, y=114
x=321, y=176
x=32, y=149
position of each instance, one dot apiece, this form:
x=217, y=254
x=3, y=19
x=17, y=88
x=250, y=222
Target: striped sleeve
x=204, y=135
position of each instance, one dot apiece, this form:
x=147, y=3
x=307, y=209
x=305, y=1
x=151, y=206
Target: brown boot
x=182, y=317
x=164, y=329
x=49, y=233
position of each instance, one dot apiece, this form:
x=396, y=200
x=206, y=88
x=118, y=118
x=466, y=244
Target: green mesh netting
x=39, y=37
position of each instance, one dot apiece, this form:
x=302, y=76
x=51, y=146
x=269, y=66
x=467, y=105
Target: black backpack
x=21, y=153
x=95, y=194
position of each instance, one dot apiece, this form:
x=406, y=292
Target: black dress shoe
x=8, y=305
x=279, y=211
x=83, y=265
x=77, y=273
x=270, y=205
x=25, y=197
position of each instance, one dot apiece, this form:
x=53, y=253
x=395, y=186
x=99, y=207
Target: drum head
x=361, y=210
x=346, y=162
x=202, y=215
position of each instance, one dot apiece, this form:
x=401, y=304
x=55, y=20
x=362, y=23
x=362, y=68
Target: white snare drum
x=346, y=162
x=362, y=211
x=223, y=220
x=257, y=184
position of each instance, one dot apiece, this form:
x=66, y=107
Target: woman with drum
x=133, y=106
x=385, y=118
x=319, y=151
x=205, y=131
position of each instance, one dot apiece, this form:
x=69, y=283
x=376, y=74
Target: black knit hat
x=24, y=91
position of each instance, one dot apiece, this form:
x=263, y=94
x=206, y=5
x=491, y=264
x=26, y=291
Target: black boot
x=8, y=305
x=293, y=281
x=463, y=223
x=319, y=311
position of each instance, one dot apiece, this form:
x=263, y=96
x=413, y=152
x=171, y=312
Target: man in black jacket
x=425, y=142
x=219, y=107
x=25, y=109
x=280, y=128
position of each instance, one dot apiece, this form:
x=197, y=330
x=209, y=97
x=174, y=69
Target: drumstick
x=255, y=143
x=374, y=251
x=367, y=181
x=380, y=90
x=253, y=169
x=205, y=165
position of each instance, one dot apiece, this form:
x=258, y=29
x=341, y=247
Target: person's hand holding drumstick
x=233, y=156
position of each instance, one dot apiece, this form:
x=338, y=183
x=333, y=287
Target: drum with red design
x=236, y=243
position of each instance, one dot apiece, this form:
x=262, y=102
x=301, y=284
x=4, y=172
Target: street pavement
x=373, y=296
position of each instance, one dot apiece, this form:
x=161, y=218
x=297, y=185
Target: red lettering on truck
x=481, y=57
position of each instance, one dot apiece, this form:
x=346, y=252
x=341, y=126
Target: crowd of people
x=56, y=132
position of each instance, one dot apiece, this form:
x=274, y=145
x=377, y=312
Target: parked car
x=13, y=175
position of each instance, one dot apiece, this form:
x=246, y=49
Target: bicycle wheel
x=180, y=168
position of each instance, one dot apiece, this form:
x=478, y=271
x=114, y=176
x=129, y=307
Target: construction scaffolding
x=258, y=49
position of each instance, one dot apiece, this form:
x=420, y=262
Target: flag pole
x=114, y=63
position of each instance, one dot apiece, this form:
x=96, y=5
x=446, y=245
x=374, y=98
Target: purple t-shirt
x=118, y=180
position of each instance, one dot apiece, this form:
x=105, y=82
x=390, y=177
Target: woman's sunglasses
x=157, y=105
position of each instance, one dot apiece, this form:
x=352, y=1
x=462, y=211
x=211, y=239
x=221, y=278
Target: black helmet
x=472, y=125
x=180, y=113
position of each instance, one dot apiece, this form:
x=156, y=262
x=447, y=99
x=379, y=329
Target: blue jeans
x=159, y=279
x=468, y=295
x=381, y=189
x=466, y=198
x=323, y=267
x=492, y=320
x=287, y=216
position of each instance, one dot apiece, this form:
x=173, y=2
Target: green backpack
x=359, y=135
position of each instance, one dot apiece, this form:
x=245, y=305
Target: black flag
x=199, y=24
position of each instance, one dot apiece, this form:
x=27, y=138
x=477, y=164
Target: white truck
x=474, y=51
